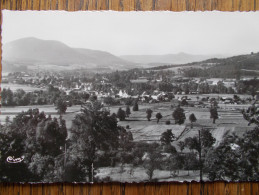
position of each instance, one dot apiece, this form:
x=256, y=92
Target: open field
x=48, y=109
x=138, y=174
x=230, y=121
x=193, y=97
x=143, y=130
x=14, y=87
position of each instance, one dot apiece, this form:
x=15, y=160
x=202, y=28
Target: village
x=162, y=87
x=44, y=88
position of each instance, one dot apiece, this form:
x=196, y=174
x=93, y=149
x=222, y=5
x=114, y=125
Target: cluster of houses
x=58, y=81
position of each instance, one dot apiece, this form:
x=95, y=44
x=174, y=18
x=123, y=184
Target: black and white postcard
x=110, y=96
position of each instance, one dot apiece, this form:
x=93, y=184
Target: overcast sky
x=127, y=33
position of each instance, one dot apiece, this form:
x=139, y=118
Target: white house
x=123, y=94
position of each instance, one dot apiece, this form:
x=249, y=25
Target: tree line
x=40, y=97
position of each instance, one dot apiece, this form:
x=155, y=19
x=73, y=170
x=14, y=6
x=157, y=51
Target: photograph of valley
x=129, y=96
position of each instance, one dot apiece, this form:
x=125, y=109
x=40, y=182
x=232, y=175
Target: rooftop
x=139, y=81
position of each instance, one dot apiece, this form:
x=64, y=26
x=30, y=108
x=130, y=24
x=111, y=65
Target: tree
x=153, y=161
x=94, y=137
x=128, y=111
x=135, y=106
x=214, y=114
x=253, y=92
x=129, y=101
x=179, y=115
x=39, y=140
x=201, y=144
x=190, y=161
x=9, y=98
x=193, y=119
x=221, y=87
x=4, y=96
x=61, y=106
x=170, y=96
x=181, y=145
x=236, y=98
x=237, y=158
x=7, y=120
x=176, y=162
x=214, y=103
x=93, y=98
x=149, y=114
x=164, y=86
x=184, y=102
x=109, y=100
x=11, y=144
x=126, y=138
x=158, y=116
x=203, y=88
x=85, y=96
x=203, y=141
x=251, y=115
x=121, y=114
x=167, y=137
x=222, y=161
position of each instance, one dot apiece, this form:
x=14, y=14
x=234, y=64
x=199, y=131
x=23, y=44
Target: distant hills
x=231, y=67
x=245, y=62
x=180, y=58
x=32, y=51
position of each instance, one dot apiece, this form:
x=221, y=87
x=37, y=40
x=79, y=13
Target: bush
x=121, y=114
x=128, y=111
x=104, y=179
x=110, y=101
x=170, y=149
x=129, y=101
x=158, y=116
x=127, y=158
x=179, y=115
x=184, y=102
x=167, y=137
x=149, y=114
x=167, y=122
x=135, y=106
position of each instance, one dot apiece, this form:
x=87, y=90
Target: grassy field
x=143, y=130
x=137, y=174
x=193, y=97
x=48, y=109
x=230, y=121
x=14, y=87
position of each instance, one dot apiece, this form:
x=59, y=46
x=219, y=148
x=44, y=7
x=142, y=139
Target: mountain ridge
x=34, y=51
x=55, y=55
x=231, y=67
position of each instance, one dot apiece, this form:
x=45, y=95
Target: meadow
x=230, y=121
x=14, y=87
